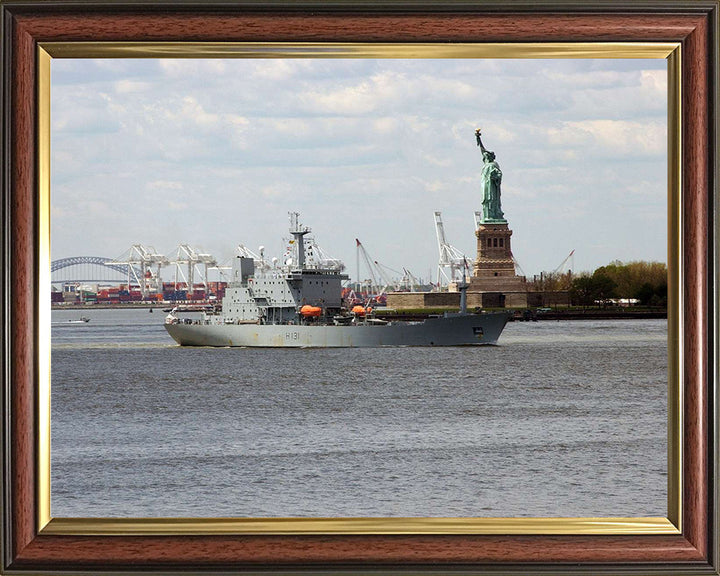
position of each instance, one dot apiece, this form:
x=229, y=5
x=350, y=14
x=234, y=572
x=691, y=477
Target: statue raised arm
x=491, y=178
x=479, y=140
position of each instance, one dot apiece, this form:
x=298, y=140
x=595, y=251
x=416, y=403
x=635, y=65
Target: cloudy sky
x=215, y=153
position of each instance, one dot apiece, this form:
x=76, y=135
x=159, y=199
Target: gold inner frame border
x=354, y=526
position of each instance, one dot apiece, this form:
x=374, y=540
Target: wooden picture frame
x=686, y=544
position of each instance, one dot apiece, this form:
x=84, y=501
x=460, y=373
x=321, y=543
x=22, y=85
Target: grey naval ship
x=298, y=304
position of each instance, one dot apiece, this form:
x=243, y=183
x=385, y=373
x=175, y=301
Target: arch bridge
x=88, y=269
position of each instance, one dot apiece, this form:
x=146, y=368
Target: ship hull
x=448, y=330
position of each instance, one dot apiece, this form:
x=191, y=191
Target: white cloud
x=385, y=125
x=275, y=191
x=176, y=206
x=173, y=68
x=239, y=122
x=654, y=81
x=165, y=185
x=289, y=126
x=443, y=162
x=611, y=137
x=435, y=186
x=277, y=69
x=192, y=110
x=645, y=189
x=356, y=100
x=126, y=86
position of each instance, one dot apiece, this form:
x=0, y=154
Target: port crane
x=260, y=263
x=403, y=279
x=140, y=261
x=374, y=285
x=187, y=256
x=322, y=259
x=478, y=219
x=412, y=281
x=385, y=277
x=572, y=263
x=383, y=273
x=450, y=257
x=556, y=279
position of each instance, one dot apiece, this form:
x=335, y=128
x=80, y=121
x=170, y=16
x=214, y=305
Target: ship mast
x=298, y=232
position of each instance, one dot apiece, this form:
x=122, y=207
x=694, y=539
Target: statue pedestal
x=494, y=267
x=494, y=254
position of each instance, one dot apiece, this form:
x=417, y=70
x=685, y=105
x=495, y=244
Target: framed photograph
x=680, y=36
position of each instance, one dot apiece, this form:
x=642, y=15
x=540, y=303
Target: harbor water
x=563, y=418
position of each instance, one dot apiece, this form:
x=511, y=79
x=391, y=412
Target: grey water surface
x=563, y=418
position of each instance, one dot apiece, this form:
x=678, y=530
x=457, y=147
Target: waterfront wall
x=410, y=300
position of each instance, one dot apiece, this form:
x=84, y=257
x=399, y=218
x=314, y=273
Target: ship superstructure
x=277, y=295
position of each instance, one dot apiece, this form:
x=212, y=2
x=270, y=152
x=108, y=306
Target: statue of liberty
x=491, y=179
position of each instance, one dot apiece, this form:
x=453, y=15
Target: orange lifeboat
x=308, y=310
x=361, y=310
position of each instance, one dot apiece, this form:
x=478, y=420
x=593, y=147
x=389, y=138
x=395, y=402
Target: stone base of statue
x=494, y=252
x=494, y=268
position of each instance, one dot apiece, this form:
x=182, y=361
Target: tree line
x=643, y=281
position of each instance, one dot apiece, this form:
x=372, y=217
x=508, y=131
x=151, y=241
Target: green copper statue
x=491, y=179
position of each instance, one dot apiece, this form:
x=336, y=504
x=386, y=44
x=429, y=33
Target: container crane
x=140, y=261
x=361, y=252
x=478, y=219
x=192, y=259
x=404, y=278
x=411, y=281
x=260, y=263
x=450, y=257
x=382, y=272
x=562, y=264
